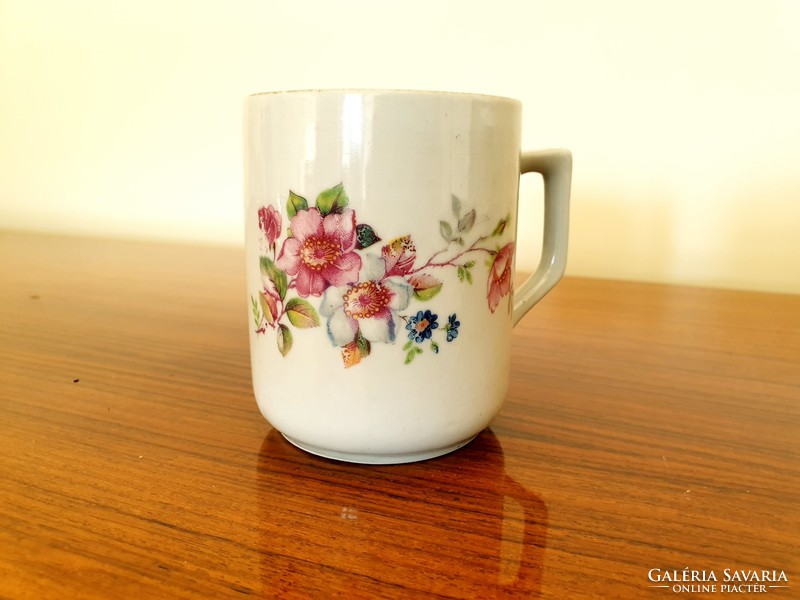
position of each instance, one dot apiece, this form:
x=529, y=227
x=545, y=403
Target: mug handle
x=555, y=167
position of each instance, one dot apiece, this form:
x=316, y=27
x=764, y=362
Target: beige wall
x=123, y=118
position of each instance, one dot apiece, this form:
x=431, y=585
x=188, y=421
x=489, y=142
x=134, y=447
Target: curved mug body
x=380, y=243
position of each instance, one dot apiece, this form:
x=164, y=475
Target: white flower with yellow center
x=369, y=306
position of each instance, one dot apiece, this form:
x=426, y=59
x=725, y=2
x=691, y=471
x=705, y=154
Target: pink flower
x=399, y=255
x=269, y=299
x=500, y=276
x=269, y=221
x=321, y=251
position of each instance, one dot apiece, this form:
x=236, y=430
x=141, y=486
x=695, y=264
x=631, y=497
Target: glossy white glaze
x=400, y=157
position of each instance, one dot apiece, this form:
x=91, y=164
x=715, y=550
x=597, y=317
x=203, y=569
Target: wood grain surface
x=646, y=427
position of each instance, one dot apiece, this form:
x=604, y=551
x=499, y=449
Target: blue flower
x=420, y=326
x=452, y=327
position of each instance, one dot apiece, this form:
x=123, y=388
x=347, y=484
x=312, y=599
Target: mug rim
x=384, y=91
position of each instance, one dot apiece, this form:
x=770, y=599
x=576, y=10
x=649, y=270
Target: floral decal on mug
x=361, y=296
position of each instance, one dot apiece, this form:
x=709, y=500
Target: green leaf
x=417, y=349
x=456, y=205
x=501, y=226
x=410, y=356
x=256, y=312
x=269, y=306
x=284, y=339
x=301, y=314
x=469, y=264
x=295, y=204
x=461, y=272
x=466, y=222
x=435, y=347
x=468, y=275
x=425, y=295
x=276, y=275
x=446, y=230
x=459, y=241
x=365, y=236
x=408, y=345
x=363, y=345
x=425, y=286
x=332, y=200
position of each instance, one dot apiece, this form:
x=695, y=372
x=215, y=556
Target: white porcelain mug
x=380, y=239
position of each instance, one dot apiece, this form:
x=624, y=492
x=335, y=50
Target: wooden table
x=648, y=429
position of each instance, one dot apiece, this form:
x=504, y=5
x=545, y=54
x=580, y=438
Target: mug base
x=377, y=459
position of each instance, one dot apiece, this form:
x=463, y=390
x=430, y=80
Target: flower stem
x=452, y=261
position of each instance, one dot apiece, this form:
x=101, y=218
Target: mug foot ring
x=377, y=459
